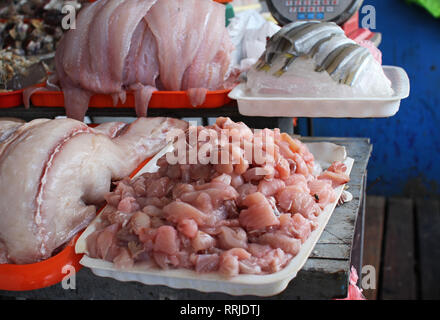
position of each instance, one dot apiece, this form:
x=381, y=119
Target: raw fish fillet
x=54, y=172
x=143, y=45
x=8, y=127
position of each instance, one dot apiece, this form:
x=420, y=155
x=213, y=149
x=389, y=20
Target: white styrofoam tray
x=319, y=107
x=259, y=285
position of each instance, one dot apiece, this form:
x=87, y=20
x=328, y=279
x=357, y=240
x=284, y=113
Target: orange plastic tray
x=25, y=277
x=159, y=99
x=11, y=99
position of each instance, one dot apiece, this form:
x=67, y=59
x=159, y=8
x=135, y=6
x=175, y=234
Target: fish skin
x=57, y=171
x=143, y=45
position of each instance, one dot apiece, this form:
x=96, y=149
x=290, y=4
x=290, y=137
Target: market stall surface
x=324, y=276
x=401, y=243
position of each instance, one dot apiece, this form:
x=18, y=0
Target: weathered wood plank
x=358, y=238
x=428, y=226
x=374, y=228
x=340, y=227
x=399, y=277
x=334, y=251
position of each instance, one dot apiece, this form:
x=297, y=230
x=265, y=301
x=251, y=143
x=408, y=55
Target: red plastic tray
x=11, y=99
x=25, y=277
x=159, y=99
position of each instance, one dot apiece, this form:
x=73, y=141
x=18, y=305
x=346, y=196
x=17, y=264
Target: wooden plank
x=398, y=277
x=340, y=227
x=374, y=228
x=334, y=251
x=358, y=239
x=428, y=226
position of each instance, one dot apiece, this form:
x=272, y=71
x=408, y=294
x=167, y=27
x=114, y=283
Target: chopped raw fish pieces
x=322, y=191
x=207, y=262
x=166, y=240
x=241, y=216
x=230, y=238
x=259, y=213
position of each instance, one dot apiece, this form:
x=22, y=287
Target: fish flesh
x=54, y=173
x=316, y=59
x=144, y=46
x=237, y=216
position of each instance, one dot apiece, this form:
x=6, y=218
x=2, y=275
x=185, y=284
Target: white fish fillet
x=143, y=45
x=54, y=172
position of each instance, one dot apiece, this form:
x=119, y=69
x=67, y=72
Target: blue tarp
x=407, y=146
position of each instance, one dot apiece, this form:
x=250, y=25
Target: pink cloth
x=354, y=292
x=377, y=54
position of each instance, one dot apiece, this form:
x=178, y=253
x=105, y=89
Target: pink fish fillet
x=259, y=214
x=57, y=171
x=143, y=45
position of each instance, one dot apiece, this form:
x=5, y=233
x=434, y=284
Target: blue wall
x=407, y=146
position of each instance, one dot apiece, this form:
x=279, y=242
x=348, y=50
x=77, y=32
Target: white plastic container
x=326, y=107
x=259, y=285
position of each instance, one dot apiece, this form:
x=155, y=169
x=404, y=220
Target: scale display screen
x=287, y=11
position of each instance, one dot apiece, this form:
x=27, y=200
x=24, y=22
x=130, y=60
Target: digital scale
x=343, y=12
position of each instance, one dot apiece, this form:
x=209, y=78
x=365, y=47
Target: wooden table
x=402, y=237
x=324, y=276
